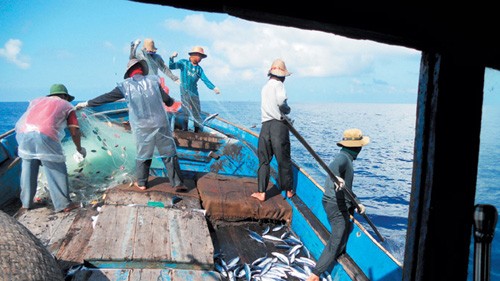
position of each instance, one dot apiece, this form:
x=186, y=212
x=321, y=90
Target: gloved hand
x=135, y=43
x=83, y=151
x=216, y=90
x=361, y=209
x=178, y=81
x=340, y=186
x=79, y=155
x=173, y=55
x=81, y=105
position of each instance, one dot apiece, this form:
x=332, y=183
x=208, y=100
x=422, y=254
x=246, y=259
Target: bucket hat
x=198, y=50
x=353, y=138
x=60, y=89
x=278, y=68
x=149, y=45
x=132, y=62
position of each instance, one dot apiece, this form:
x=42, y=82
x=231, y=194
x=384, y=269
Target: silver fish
x=278, y=228
x=232, y=263
x=272, y=238
x=248, y=273
x=255, y=236
x=281, y=257
x=266, y=231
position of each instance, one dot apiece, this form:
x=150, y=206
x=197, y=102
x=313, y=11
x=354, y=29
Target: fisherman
x=274, y=137
x=337, y=205
x=148, y=120
x=191, y=72
x=154, y=60
x=39, y=133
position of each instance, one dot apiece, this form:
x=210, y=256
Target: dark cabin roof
x=457, y=41
x=470, y=27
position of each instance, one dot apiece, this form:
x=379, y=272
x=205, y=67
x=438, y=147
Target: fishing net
x=110, y=159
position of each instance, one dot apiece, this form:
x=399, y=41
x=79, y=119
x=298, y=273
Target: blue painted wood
x=10, y=186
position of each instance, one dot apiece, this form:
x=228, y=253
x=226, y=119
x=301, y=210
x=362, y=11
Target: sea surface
x=383, y=169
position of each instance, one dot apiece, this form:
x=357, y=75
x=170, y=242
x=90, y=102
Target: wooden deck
x=158, y=233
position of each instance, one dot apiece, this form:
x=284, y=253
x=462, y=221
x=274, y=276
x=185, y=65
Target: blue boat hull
x=237, y=156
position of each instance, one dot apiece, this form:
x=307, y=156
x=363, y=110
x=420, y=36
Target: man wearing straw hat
x=274, y=137
x=337, y=206
x=191, y=72
x=153, y=59
x=148, y=120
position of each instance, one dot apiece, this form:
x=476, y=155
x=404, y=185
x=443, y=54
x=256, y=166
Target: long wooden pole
x=347, y=191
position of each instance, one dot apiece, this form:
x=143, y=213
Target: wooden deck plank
x=151, y=235
x=119, y=237
x=180, y=251
x=77, y=237
x=162, y=246
x=44, y=224
x=97, y=241
x=189, y=233
x=143, y=240
x=201, y=241
x=151, y=240
x=115, y=225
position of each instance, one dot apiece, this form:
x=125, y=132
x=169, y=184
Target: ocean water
x=383, y=169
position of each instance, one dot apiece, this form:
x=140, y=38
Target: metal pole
x=485, y=220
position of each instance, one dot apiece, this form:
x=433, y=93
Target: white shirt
x=273, y=95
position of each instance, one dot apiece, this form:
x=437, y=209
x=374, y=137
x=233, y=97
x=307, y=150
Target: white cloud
x=12, y=52
x=246, y=49
x=109, y=45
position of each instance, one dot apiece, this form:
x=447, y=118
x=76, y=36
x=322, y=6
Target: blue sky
x=85, y=45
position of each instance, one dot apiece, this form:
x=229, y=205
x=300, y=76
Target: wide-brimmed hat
x=149, y=45
x=132, y=62
x=198, y=50
x=60, y=89
x=353, y=138
x=278, y=68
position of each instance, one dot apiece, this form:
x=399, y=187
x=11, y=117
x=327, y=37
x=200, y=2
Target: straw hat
x=353, y=138
x=198, y=50
x=133, y=62
x=149, y=45
x=60, y=89
x=278, y=68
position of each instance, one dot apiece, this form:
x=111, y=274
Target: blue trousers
x=57, y=179
x=341, y=225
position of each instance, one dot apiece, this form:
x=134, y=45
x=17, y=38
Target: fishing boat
x=455, y=58
x=213, y=231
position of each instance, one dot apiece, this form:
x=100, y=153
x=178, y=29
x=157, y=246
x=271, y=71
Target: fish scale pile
x=294, y=264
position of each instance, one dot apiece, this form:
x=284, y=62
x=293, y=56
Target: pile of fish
x=292, y=261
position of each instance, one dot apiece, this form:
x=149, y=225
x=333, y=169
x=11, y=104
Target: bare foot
x=313, y=277
x=261, y=196
x=290, y=193
x=71, y=206
x=142, y=187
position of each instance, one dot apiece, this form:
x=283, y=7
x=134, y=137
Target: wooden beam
x=444, y=177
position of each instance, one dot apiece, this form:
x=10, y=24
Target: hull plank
x=146, y=274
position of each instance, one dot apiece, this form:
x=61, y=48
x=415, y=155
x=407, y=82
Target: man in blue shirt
x=191, y=72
